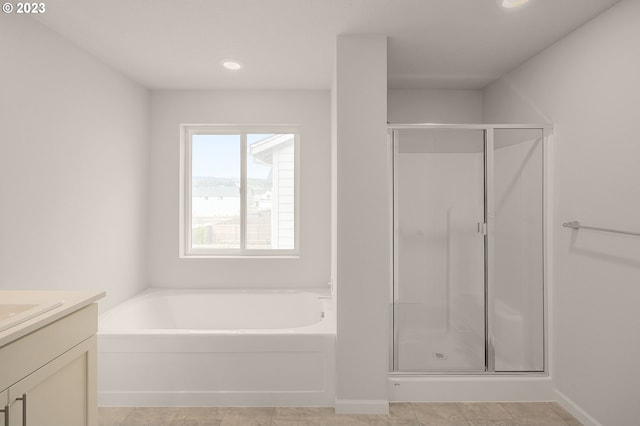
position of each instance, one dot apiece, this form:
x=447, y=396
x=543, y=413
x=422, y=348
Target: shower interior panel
x=439, y=252
x=518, y=314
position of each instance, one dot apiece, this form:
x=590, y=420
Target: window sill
x=238, y=256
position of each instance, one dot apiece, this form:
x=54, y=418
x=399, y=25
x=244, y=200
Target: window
x=239, y=191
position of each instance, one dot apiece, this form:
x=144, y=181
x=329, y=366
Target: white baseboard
x=470, y=388
x=575, y=410
x=362, y=406
x=215, y=399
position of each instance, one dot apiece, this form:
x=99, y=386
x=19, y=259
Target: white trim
x=548, y=147
x=319, y=398
x=187, y=131
x=243, y=192
x=489, y=249
x=576, y=411
x=204, y=128
x=470, y=388
x=362, y=406
x=399, y=126
x=393, y=347
x=184, y=196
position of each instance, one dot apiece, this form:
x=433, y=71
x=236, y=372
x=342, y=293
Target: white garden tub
x=218, y=347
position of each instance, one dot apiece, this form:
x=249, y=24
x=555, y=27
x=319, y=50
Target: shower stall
x=468, y=247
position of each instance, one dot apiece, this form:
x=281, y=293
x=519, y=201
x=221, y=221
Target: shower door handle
x=482, y=228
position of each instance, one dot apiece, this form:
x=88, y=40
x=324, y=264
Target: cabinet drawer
x=25, y=355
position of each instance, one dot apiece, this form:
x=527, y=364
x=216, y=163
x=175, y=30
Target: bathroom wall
x=434, y=106
x=73, y=167
x=310, y=110
x=587, y=85
x=363, y=261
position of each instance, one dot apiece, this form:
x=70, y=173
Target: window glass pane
x=215, y=191
x=270, y=191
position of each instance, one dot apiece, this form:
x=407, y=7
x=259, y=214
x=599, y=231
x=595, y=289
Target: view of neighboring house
x=278, y=152
x=215, y=197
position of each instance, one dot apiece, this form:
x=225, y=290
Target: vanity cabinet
x=48, y=377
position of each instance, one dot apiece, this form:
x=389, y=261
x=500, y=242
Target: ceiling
x=290, y=44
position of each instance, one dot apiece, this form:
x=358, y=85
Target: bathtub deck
x=415, y=414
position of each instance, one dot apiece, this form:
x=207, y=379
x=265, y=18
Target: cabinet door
x=58, y=394
x=4, y=408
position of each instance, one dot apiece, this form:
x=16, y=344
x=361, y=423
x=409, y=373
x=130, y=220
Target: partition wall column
x=363, y=221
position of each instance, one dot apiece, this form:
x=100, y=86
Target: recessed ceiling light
x=513, y=3
x=232, y=64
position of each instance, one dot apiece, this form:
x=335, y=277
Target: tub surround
x=221, y=311
x=218, y=348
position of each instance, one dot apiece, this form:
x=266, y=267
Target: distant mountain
x=219, y=186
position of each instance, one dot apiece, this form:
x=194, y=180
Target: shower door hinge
x=482, y=228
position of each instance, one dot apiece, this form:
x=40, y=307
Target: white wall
x=363, y=223
x=587, y=85
x=73, y=167
x=434, y=106
x=310, y=110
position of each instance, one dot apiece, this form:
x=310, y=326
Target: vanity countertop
x=22, y=312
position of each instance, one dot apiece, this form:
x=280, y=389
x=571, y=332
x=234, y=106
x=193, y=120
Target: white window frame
x=187, y=131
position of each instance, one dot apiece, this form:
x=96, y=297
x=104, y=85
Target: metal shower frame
x=489, y=251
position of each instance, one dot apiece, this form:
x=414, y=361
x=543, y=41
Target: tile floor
x=402, y=413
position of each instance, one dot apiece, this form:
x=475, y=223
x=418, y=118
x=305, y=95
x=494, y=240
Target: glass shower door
x=517, y=288
x=439, y=212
